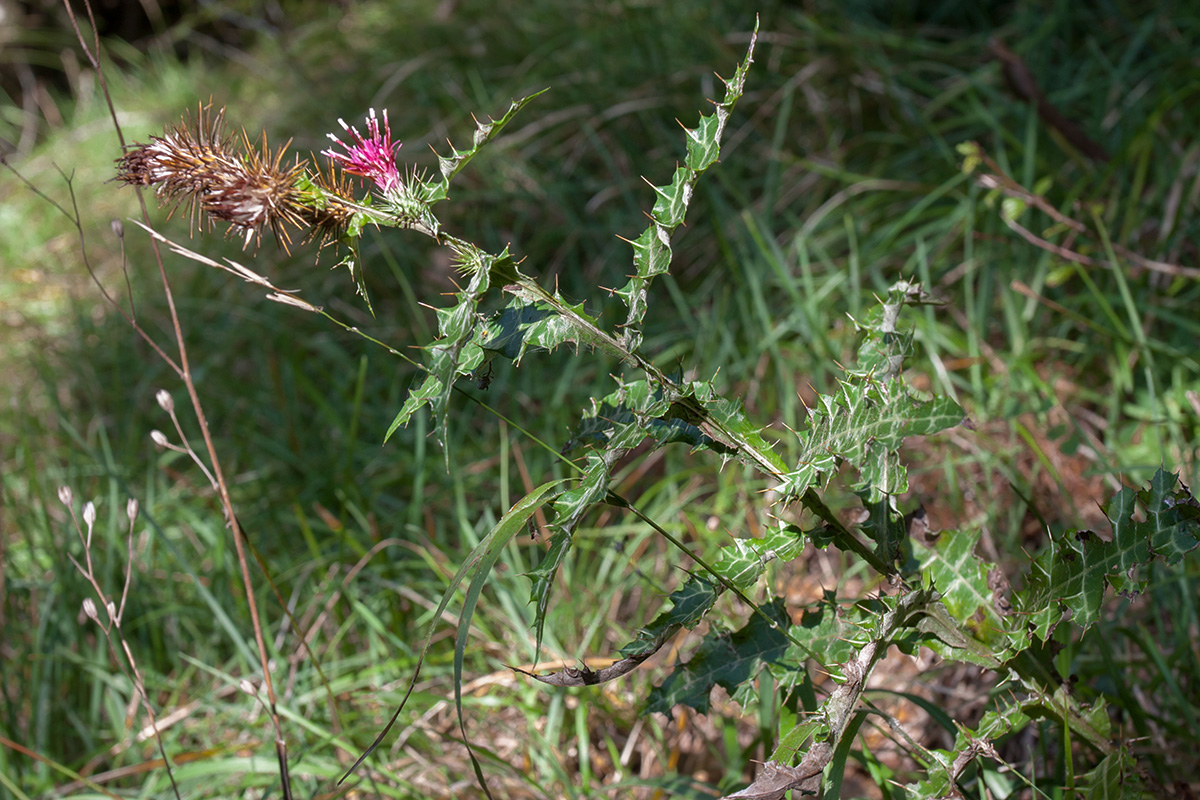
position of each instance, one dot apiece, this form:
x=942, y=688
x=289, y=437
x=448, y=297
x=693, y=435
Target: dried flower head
x=243, y=184
x=373, y=156
x=329, y=206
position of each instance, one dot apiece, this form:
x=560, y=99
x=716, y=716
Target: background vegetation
x=840, y=174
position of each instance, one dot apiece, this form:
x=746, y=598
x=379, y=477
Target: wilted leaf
x=773, y=782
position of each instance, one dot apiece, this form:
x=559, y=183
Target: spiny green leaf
x=884, y=524
x=1116, y=777
x=744, y=560
x=892, y=626
x=831, y=632
x=974, y=594
x=730, y=419
x=1080, y=566
x=869, y=417
x=724, y=659
x=457, y=352
x=864, y=424
x=569, y=510
x=644, y=404
x=704, y=143
x=673, y=200
x=1092, y=722
x=689, y=604
x=652, y=250
x=451, y=165
x=522, y=325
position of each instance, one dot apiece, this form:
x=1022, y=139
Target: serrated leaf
x=703, y=143
x=730, y=419
x=450, y=166
x=449, y=357
x=744, y=560
x=1089, y=722
x=837, y=711
x=644, y=405
x=864, y=424
x=866, y=420
x=831, y=633
x=671, y=205
x=882, y=356
x=885, y=525
x=652, y=250
x=979, y=606
x=689, y=604
x=521, y=326
x=1081, y=565
x=569, y=510
x=1116, y=777
x=723, y=659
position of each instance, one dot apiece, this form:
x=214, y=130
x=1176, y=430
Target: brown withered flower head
x=220, y=177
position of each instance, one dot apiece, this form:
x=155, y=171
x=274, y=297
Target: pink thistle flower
x=372, y=157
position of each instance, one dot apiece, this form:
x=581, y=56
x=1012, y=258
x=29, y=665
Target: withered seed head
x=243, y=184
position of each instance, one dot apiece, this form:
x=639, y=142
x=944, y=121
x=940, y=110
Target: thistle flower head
x=373, y=156
x=243, y=184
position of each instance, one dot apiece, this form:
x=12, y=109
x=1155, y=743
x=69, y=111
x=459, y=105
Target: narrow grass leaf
x=478, y=562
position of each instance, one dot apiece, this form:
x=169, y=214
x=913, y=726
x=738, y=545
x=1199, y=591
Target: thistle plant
x=926, y=592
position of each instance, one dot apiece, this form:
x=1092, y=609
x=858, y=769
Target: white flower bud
x=158, y=438
x=89, y=513
x=89, y=609
x=165, y=400
x=65, y=495
x=131, y=510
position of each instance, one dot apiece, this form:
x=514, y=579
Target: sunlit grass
x=841, y=175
